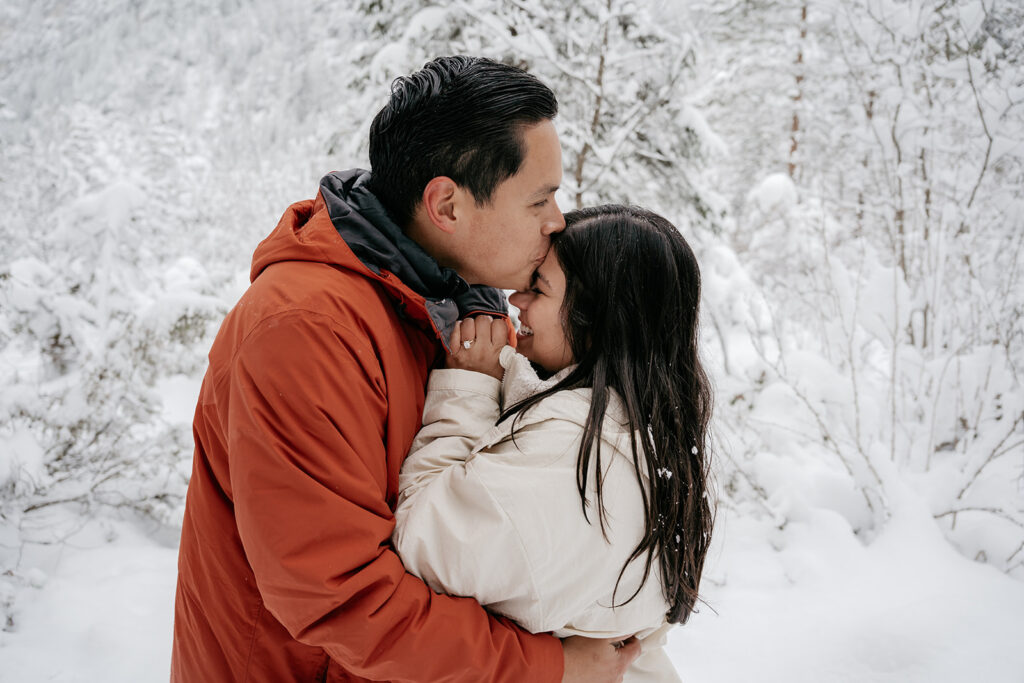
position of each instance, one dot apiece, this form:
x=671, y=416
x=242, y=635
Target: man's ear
x=440, y=200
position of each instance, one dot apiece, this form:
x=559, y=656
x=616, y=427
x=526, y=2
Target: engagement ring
x=466, y=344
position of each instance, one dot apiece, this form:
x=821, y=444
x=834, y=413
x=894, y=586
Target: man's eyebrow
x=544, y=191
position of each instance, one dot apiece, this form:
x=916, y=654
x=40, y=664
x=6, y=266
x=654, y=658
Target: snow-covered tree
x=892, y=262
x=622, y=74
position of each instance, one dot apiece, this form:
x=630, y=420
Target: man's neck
x=424, y=233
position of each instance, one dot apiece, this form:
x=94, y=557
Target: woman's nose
x=519, y=299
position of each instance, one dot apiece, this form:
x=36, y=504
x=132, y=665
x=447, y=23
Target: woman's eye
x=534, y=290
x=541, y=203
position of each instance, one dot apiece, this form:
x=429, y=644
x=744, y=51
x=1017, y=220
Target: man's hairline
x=520, y=129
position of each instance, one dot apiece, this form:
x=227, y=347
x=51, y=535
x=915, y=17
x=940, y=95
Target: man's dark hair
x=461, y=117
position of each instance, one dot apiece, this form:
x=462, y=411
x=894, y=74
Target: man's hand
x=597, y=660
x=476, y=343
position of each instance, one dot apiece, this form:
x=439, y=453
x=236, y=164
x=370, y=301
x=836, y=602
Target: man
x=315, y=391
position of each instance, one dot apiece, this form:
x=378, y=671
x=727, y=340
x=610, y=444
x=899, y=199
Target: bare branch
x=984, y=126
x=997, y=512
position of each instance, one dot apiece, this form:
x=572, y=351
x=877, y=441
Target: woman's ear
x=440, y=199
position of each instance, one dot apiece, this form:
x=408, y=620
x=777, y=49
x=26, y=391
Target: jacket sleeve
x=500, y=509
x=461, y=406
x=307, y=460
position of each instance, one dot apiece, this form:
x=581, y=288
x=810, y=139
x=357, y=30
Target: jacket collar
x=521, y=381
x=380, y=245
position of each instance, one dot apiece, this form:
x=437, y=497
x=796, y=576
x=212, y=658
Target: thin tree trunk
x=798, y=95
x=581, y=160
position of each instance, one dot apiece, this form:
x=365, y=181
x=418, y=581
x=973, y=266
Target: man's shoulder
x=322, y=290
x=302, y=308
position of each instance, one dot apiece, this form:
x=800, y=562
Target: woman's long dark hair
x=630, y=317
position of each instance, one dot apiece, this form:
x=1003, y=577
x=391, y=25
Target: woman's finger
x=455, y=341
x=468, y=330
x=499, y=332
x=483, y=328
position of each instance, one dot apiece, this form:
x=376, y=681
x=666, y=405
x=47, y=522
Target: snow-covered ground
x=102, y=612
x=825, y=608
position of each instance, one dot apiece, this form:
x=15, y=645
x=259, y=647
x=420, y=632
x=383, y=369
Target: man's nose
x=555, y=222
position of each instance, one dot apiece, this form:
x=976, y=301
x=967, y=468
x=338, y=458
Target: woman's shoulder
x=547, y=433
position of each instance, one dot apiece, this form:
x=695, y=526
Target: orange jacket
x=312, y=398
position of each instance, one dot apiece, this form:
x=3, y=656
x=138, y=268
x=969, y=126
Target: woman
x=501, y=497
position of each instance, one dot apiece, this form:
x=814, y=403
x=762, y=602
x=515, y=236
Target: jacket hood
x=347, y=227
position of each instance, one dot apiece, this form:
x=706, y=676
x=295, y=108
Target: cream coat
x=501, y=521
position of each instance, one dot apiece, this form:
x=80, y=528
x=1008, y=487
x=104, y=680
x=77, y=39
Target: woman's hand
x=476, y=343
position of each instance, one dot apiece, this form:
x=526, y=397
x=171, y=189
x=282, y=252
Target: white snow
x=904, y=609
x=102, y=612
x=806, y=604
x=774, y=195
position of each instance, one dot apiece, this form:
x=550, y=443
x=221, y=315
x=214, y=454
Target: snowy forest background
x=850, y=173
